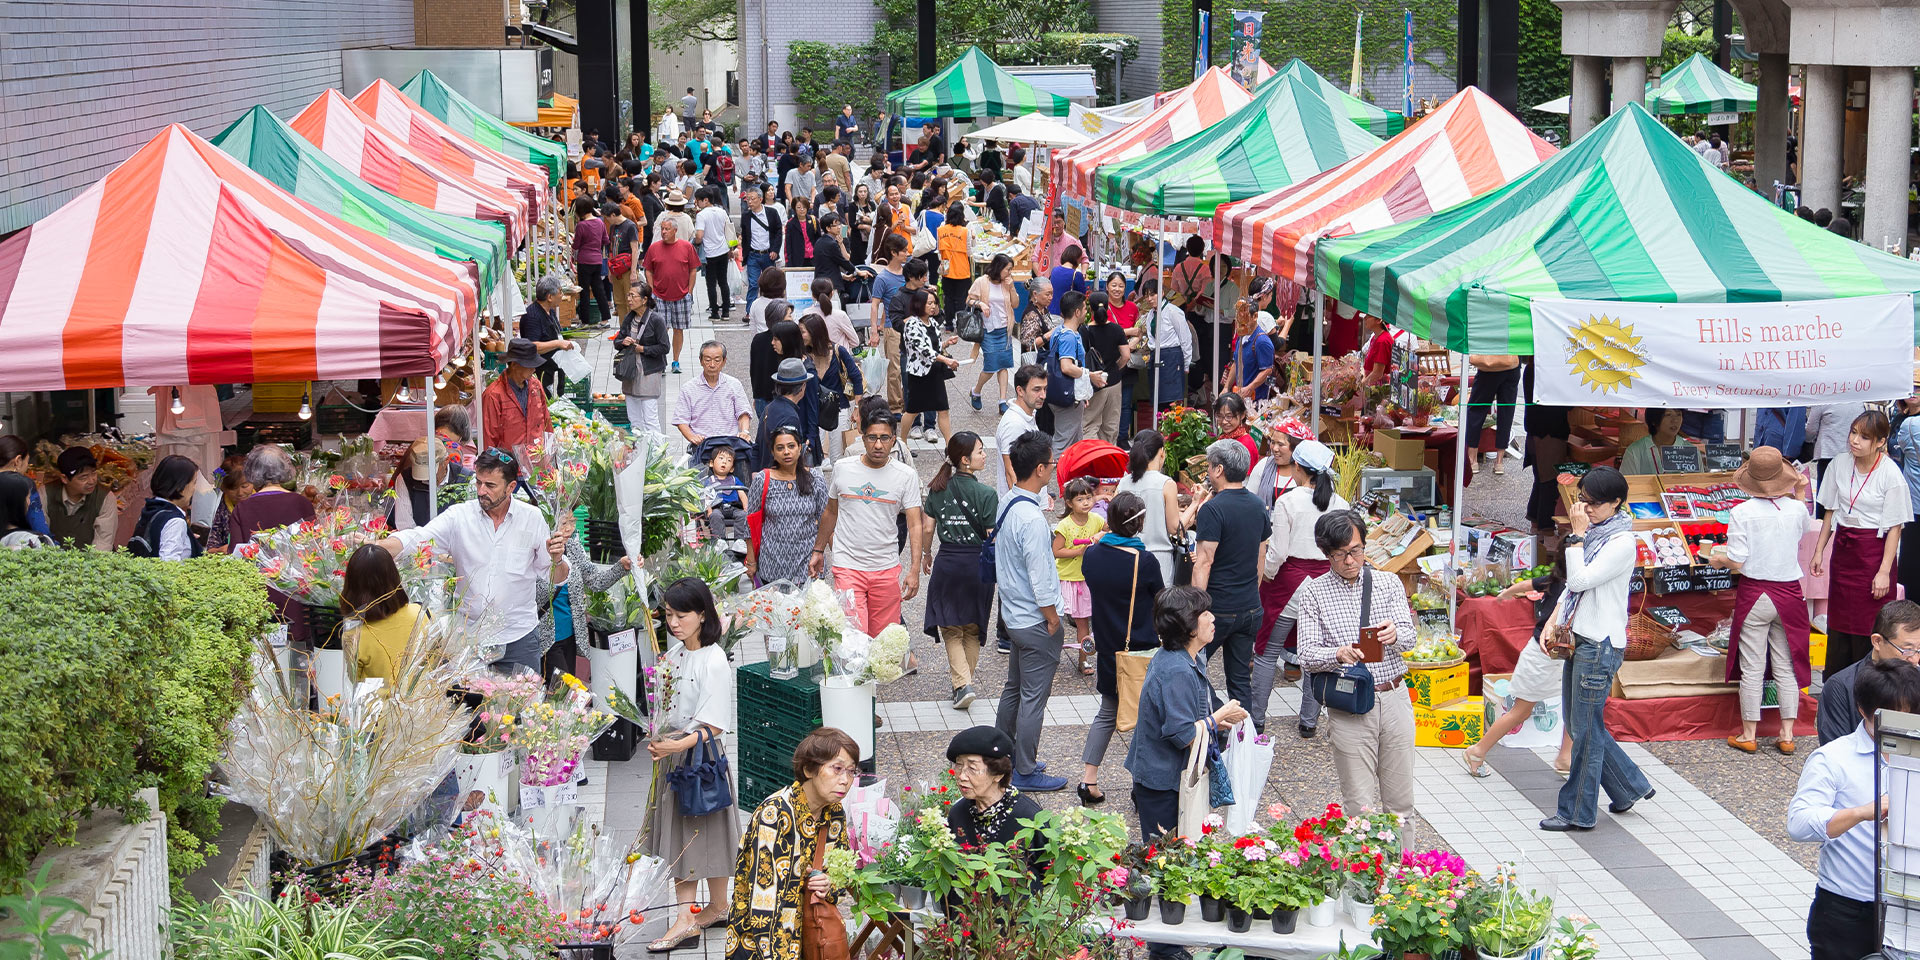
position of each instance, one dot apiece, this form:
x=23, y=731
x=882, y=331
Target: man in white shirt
x=1029, y=392
x=760, y=238
x=499, y=546
x=710, y=236
x=865, y=496
x=1834, y=806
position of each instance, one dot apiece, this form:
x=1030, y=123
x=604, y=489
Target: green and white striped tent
x=974, y=86
x=1375, y=120
x=1628, y=212
x=1698, y=85
x=1289, y=132
x=434, y=96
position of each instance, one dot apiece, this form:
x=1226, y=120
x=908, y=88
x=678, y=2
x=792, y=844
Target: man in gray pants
x=1029, y=593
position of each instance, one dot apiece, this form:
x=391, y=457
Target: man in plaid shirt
x=1373, y=751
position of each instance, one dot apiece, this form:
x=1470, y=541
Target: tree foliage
x=680, y=22
x=1008, y=31
x=1319, y=32
x=826, y=75
x=1545, y=72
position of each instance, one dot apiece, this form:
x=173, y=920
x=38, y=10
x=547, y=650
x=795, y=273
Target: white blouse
x=1763, y=536
x=1874, y=500
x=1293, y=518
x=702, y=688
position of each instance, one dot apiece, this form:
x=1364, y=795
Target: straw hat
x=1767, y=474
x=676, y=200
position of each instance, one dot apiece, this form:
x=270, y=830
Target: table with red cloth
x=1492, y=631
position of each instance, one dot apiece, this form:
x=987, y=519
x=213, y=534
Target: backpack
x=153, y=519
x=1059, y=385
x=724, y=164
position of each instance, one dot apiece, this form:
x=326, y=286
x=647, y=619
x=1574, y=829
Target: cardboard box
x=1455, y=726
x=1437, y=688
x=1400, y=451
x=1817, y=651
x=1542, y=728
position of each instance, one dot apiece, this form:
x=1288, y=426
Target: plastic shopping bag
x=736, y=280
x=873, y=370
x=1248, y=762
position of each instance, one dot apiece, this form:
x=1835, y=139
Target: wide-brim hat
x=790, y=371
x=522, y=353
x=675, y=199
x=1767, y=474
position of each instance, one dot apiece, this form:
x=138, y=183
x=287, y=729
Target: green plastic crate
x=759, y=779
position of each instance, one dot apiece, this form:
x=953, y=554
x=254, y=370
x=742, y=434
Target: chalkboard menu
x=1636, y=583
x=1433, y=621
x=1671, y=616
x=1712, y=578
x=1722, y=457
x=1671, y=580
x=1680, y=458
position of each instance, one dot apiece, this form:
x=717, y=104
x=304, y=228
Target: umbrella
x=1032, y=128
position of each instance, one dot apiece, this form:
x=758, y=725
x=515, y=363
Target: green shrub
x=117, y=674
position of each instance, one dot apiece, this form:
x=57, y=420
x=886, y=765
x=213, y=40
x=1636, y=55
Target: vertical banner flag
x=1406, y=73
x=1353, y=82
x=1245, y=46
x=1203, y=44
x=1793, y=353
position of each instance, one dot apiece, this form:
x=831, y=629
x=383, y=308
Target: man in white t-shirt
x=710, y=235
x=865, y=496
x=1029, y=392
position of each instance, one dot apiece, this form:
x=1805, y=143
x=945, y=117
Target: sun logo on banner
x=1092, y=123
x=1605, y=353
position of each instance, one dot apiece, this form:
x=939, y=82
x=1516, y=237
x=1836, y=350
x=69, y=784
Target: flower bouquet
x=553, y=730
x=596, y=888
x=773, y=610
x=1187, y=430
x=559, y=476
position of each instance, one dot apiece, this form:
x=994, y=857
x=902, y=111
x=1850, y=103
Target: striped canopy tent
x=974, y=86
x=1286, y=134
x=436, y=141
x=1628, y=212
x=435, y=97
x=557, y=111
x=1698, y=85
x=1466, y=147
x=1379, y=122
x=182, y=266
x=266, y=144
x=341, y=131
x=1187, y=111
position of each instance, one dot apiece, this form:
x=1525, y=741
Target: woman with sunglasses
x=793, y=497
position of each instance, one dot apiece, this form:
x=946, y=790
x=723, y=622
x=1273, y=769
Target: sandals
x=664, y=945
x=1475, y=767
x=713, y=921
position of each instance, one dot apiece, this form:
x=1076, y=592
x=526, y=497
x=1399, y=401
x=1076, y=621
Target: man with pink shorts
x=867, y=495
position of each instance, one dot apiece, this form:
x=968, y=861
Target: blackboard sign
x=1712, y=578
x=1680, y=458
x=1671, y=616
x=1672, y=580
x=1722, y=457
x=1435, y=621
x=1636, y=583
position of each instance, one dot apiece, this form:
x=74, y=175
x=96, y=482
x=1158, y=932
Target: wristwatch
x=1574, y=538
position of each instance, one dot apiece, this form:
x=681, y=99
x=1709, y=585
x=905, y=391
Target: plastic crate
x=342, y=419
x=614, y=413
x=759, y=779
x=580, y=392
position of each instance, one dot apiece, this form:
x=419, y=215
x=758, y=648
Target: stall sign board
x=800, y=289
x=1723, y=355
x=1726, y=118
x=1680, y=458
x=1723, y=457
x=1672, y=580
x=1671, y=616
x=1711, y=578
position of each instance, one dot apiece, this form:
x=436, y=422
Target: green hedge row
x=117, y=673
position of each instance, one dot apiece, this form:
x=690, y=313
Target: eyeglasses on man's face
x=878, y=439
x=1349, y=554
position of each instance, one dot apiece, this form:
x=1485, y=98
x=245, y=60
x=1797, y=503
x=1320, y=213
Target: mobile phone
x=1371, y=649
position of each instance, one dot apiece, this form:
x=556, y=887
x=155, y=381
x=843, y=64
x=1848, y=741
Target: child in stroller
x=726, y=492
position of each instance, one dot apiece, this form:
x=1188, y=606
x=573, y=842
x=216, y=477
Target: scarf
x=1596, y=538
x=1116, y=540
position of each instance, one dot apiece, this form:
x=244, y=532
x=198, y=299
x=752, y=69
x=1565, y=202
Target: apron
x=1275, y=593
x=1793, y=615
x=1856, y=558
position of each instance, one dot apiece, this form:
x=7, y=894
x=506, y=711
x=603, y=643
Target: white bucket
x=848, y=706
x=490, y=773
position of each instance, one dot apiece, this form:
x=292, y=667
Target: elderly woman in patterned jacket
x=781, y=867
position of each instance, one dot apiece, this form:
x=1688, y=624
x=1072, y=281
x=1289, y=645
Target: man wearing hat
x=990, y=807
x=676, y=203
x=1769, y=614
x=514, y=408
x=789, y=386
x=80, y=512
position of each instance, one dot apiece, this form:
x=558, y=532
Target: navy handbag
x=1349, y=689
x=701, y=784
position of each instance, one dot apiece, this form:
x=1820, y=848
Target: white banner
x=1718, y=355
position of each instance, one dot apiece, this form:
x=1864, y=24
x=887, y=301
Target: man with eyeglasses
x=867, y=495
x=1029, y=584
x=1372, y=751
x=500, y=547
x=1896, y=636
x=714, y=404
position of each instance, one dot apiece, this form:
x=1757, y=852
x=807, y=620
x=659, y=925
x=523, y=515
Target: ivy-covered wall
x=1319, y=32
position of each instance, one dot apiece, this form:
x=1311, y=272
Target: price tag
x=566, y=793
x=1722, y=457
x=626, y=641
x=1670, y=616
x=1637, y=583
x=532, y=798
x=1680, y=458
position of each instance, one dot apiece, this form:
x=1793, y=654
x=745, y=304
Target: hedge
x=1319, y=32
x=116, y=674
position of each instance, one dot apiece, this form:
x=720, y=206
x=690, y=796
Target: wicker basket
x=1647, y=638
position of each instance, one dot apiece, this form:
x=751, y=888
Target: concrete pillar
x=1629, y=81
x=1823, y=96
x=1771, y=124
x=1587, y=104
x=1889, y=157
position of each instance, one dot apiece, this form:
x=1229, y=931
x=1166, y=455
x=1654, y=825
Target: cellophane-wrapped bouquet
x=553, y=731
x=308, y=560
x=599, y=887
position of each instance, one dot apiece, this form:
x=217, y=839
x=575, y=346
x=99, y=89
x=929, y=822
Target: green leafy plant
x=1359, y=951
x=120, y=674
x=29, y=934
x=1415, y=911
x=1573, y=939
x=460, y=899
x=1177, y=866
x=1508, y=918
x=297, y=925
x=1321, y=33
x=1007, y=912
x=1187, y=431
x=826, y=75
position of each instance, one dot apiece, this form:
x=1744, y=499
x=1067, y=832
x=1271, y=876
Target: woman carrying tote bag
x=1123, y=580
x=641, y=366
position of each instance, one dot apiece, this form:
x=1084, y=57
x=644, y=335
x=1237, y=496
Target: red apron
x=1275, y=593
x=1793, y=616
x=1851, y=605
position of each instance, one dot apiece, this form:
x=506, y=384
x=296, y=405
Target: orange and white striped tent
x=433, y=139
x=183, y=266
x=1185, y=112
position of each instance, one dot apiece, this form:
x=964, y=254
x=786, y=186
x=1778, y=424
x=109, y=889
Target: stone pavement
x=1701, y=871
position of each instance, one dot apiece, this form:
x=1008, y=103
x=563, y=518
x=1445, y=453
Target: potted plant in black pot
x=1176, y=866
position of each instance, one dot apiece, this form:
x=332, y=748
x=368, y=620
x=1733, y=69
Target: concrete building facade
x=766, y=29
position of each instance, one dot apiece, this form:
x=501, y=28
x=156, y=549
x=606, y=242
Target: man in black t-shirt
x=1232, y=530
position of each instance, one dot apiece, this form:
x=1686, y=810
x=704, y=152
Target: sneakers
x=1003, y=406
x=917, y=432
x=1005, y=646
x=1037, y=782
x=962, y=698
x=974, y=399
x=934, y=437
x=676, y=366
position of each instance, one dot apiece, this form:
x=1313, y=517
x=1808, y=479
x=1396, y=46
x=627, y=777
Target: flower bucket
x=1139, y=908
x=913, y=898
x=548, y=811
x=490, y=773
x=1238, y=920
x=329, y=673
x=1359, y=912
x=1173, y=912
x=1536, y=952
x=848, y=706
x=1212, y=910
x=1326, y=913
x=1284, y=919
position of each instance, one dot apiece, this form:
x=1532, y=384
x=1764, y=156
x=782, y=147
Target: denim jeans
x=1235, y=631
x=1598, y=762
x=755, y=262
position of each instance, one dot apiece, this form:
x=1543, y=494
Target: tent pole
x=1319, y=336
x=1213, y=376
x=1160, y=272
x=433, y=469
x=1459, y=499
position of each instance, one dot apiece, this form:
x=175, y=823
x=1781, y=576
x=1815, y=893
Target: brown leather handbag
x=823, y=936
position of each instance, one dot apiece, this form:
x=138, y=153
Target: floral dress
x=792, y=522
x=770, y=876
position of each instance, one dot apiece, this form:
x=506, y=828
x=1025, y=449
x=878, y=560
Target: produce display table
x=1304, y=943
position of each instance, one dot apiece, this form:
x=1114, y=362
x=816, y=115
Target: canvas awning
x=1466, y=147
x=341, y=131
x=1286, y=134
x=271, y=149
x=1380, y=122
x=1627, y=212
x=436, y=141
x=559, y=111
x=1032, y=128
x=974, y=86
x=1698, y=85
x=434, y=96
x=184, y=267
x=1206, y=101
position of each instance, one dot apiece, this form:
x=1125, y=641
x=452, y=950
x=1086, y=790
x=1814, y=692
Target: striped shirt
x=713, y=410
x=1329, y=608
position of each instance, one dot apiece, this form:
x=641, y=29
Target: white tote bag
x=1195, y=789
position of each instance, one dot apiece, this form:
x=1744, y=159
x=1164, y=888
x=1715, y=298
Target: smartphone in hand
x=1371, y=649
